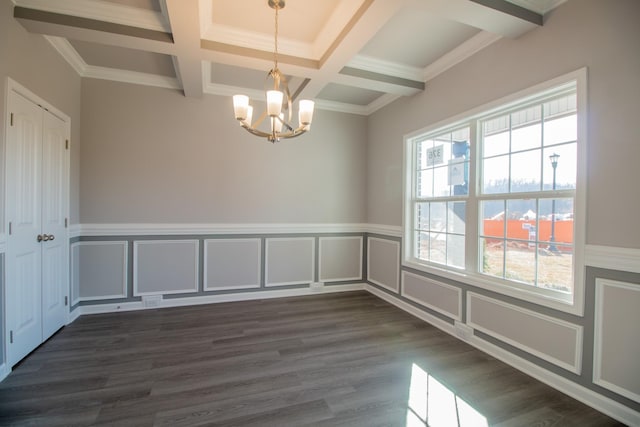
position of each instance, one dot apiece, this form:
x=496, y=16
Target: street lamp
x=554, y=163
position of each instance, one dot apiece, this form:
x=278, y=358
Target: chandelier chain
x=275, y=52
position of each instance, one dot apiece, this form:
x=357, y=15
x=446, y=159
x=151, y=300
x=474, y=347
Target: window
x=495, y=198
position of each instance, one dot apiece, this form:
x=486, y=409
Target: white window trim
x=550, y=299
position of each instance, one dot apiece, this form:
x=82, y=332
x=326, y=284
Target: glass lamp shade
x=274, y=102
x=276, y=124
x=305, y=112
x=240, y=106
x=247, y=120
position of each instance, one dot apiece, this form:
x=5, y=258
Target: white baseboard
x=214, y=299
x=589, y=397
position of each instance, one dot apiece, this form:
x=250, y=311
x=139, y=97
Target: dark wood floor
x=325, y=360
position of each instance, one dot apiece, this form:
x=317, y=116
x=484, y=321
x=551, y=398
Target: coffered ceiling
x=348, y=55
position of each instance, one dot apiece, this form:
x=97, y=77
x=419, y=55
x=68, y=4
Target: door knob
x=40, y=238
x=51, y=237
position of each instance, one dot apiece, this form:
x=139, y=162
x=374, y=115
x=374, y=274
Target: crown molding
x=101, y=10
x=381, y=102
x=368, y=63
x=459, y=54
x=251, y=40
x=69, y=54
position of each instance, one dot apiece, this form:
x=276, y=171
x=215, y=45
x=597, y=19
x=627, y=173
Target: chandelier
x=278, y=101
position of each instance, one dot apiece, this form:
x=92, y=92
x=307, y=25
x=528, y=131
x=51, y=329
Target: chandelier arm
x=285, y=124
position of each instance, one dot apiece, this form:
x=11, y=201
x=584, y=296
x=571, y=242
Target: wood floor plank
x=345, y=359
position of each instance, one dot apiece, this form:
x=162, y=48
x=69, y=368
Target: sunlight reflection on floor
x=432, y=404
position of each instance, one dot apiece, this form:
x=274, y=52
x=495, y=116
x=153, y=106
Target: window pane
x=492, y=218
x=438, y=217
x=566, y=166
x=456, y=217
x=556, y=220
x=520, y=262
x=422, y=246
x=555, y=270
x=495, y=175
x=424, y=184
x=438, y=246
x=492, y=257
x=526, y=137
x=525, y=171
x=441, y=182
x=564, y=129
x=421, y=153
x=422, y=216
x=495, y=135
x=455, y=250
x=521, y=209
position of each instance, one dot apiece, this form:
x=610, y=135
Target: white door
x=37, y=245
x=24, y=252
x=55, y=252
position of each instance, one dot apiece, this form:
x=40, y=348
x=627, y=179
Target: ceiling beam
x=184, y=19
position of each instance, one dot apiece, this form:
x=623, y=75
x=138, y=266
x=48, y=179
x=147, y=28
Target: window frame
x=470, y=275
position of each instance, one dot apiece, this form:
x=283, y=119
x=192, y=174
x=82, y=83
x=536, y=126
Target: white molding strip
x=322, y=278
x=213, y=287
x=215, y=299
x=575, y=367
x=397, y=269
x=603, y=404
x=431, y=282
x=388, y=68
x=125, y=267
x=74, y=231
x=598, y=337
x=3, y=243
x=136, y=266
x=134, y=77
x=387, y=230
x=102, y=11
x=312, y=260
x=68, y=53
x=206, y=229
x=613, y=258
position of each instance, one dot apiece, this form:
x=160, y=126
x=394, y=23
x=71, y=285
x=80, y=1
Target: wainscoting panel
x=98, y=271
x=550, y=339
x=438, y=296
x=289, y=261
x=616, y=339
x=383, y=263
x=232, y=264
x=340, y=258
x=165, y=267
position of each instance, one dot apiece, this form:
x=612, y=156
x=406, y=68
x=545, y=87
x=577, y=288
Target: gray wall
x=30, y=60
x=151, y=155
x=602, y=36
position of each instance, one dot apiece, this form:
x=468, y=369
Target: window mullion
x=471, y=218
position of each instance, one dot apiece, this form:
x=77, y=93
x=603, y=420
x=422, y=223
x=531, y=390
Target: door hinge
x=10, y=337
x=10, y=228
x=66, y=222
x=11, y=119
x=66, y=144
x=66, y=301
